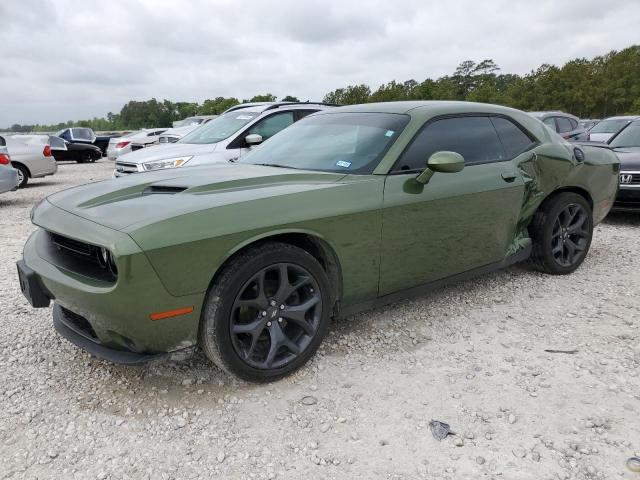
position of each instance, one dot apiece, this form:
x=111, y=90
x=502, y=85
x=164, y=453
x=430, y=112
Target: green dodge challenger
x=348, y=209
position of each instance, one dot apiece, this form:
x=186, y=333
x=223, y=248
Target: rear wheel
x=267, y=313
x=561, y=231
x=23, y=175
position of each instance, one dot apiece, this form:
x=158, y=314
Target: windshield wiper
x=273, y=165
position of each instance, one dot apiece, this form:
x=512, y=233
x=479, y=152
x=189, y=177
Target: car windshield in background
x=219, y=128
x=332, y=142
x=609, y=126
x=629, y=137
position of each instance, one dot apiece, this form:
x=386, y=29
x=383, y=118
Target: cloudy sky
x=74, y=59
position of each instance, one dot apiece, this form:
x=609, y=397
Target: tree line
x=588, y=88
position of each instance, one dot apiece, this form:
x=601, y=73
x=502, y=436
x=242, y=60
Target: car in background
x=348, y=209
x=607, y=128
x=193, y=121
x=86, y=136
x=9, y=179
x=79, y=152
x=31, y=155
x=223, y=139
x=122, y=145
x=150, y=137
x=564, y=124
x=174, y=134
x=626, y=145
x=589, y=123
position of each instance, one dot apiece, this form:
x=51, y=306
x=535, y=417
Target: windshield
x=219, y=128
x=609, y=126
x=629, y=137
x=335, y=142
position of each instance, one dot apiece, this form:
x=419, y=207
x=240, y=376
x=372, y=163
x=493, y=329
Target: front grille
x=122, y=167
x=76, y=256
x=73, y=246
x=79, y=324
x=629, y=178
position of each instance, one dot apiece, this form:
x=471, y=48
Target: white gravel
x=471, y=355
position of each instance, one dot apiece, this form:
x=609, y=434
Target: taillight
x=46, y=151
x=122, y=144
x=4, y=159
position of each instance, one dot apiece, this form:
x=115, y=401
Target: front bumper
x=628, y=199
x=118, y=312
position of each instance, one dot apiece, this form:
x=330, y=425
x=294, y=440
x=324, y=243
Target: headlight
x=167, y=163
x=106, y=260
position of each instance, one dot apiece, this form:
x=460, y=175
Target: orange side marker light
x=171, y=313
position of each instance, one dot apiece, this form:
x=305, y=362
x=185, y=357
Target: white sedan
x=31, y=156
x=146, y=137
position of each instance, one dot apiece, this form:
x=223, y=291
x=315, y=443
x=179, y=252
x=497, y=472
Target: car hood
x=171, y=150
x=629, y=158
x=136, y=201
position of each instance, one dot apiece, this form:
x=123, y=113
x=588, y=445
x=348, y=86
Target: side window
x=514, y=140
x=472, y=137
x=550, y=122
x=271, y=125
x=574, y=124
x=300, y=114
x=564, y=125
x=66, y=135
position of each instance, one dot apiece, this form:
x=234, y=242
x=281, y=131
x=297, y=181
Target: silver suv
x=223, y=139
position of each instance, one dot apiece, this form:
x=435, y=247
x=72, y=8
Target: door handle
x=508, y=176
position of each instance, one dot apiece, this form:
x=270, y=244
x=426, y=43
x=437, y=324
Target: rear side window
x=82, y=134
x=513, y=139
x=564, y=125
x=574, y=124
x=550, y=122
x=472, y=137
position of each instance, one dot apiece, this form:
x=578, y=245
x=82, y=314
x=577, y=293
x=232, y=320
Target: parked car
x=86, y=135
x=607, y=128
x=626, y=145
x=8, y=175
x=31, y=155
x=347, y=209
x=151, y=138
x=77, y=152
x=174, y=134
x=124, y=144
x=225, y=138
x=193, y=121
x=564, y=124
x=589, y=123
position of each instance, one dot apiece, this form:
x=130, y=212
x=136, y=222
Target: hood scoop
x=162, y=190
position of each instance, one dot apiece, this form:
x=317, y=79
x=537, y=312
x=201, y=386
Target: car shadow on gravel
x=631, y=219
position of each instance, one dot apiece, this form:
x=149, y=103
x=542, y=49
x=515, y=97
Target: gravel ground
x=471, y=355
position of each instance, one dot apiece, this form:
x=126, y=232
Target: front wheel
x=267, y=313
x=561, y=232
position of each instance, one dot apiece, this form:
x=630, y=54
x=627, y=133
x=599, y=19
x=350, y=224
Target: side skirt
x=517, y=257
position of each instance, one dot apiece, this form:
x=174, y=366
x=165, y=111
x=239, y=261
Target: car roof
x=624, y=117
x=556, y=113
x=427, y=105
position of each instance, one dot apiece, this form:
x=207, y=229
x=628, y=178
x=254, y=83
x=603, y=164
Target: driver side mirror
x=253, y=139
x=443, y=162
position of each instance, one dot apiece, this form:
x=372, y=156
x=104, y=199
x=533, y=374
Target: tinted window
x=574, y=124
x=514, y=140
x=550, y=122
x=271, y=125
x=564, y=125
x=472, y=137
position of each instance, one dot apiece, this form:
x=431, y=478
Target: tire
x=255, y=337
x=561, y=231
x=23, y=175
x=86, y=157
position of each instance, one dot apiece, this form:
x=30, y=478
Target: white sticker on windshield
x=341, y=163
x=244, y=117
x=389, y=133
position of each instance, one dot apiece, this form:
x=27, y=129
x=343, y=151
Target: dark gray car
x=564, y=124
x=626, y=145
